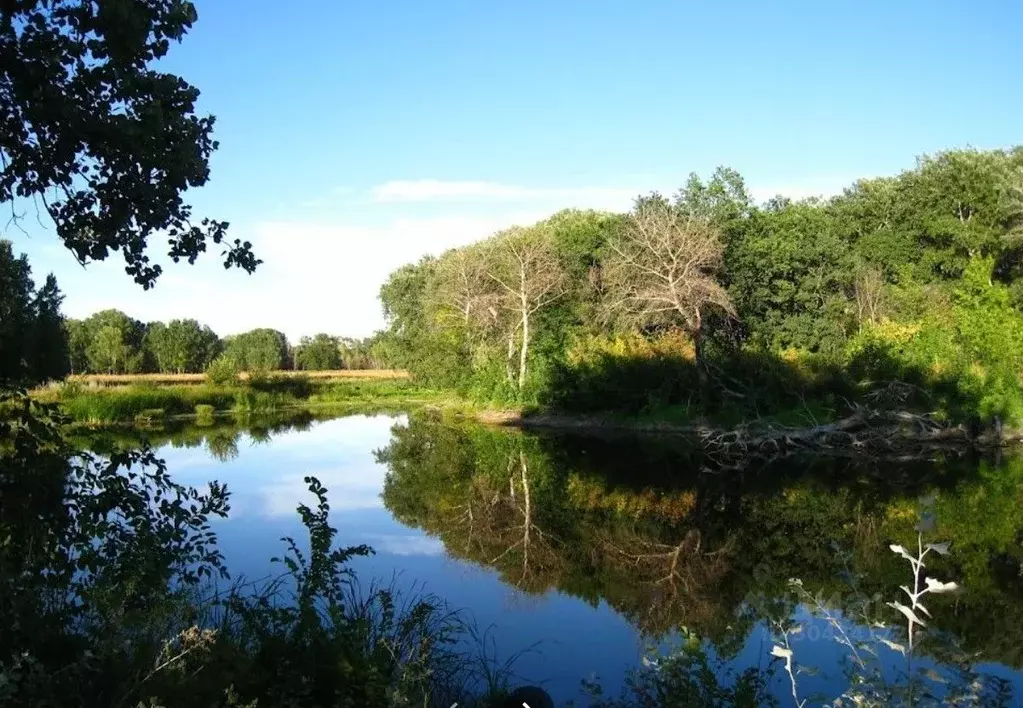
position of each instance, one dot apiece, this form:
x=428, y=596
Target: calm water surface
x=579, y=549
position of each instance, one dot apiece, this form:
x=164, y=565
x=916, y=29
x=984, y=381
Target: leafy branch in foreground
x=104, y=141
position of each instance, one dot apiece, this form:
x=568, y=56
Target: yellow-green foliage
x=592, y=348
x=591, y=494
x=223, y=370
x=973, y=349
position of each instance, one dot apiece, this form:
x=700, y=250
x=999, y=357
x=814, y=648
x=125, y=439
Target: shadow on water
x=674, y=543
x=699, y=556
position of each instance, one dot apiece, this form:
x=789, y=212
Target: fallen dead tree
x=867, y=431
x=877, y=432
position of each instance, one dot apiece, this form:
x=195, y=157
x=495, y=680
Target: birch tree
x=662, y=268
x=530, y=277
x=465, y=295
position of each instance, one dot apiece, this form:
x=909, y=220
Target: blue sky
x=357, y=136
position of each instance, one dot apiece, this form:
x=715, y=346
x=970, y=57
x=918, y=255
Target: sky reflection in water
x=573, y=639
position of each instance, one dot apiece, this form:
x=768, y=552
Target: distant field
x=127, y=379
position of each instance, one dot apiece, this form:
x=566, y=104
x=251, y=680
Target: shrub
x=297, y=385
x=222, y=371
x=204, y=414
x=257, y=376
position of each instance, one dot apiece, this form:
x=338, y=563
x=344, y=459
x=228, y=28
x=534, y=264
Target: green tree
x=260, y=349
x=954, y=206
x=77, y=333
x=109, y=352
x=50, y=357
x=791, y=277
x=156, y=344
x=181, y=346
x=102, y=139
x=415, y=342
x=318, y=353
x=115, y=343
x=16, y=316
x=33, y=345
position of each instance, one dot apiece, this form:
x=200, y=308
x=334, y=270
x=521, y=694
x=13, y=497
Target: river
x=581, y=556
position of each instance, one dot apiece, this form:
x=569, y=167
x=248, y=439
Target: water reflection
x=670, y=542
x=631, y=542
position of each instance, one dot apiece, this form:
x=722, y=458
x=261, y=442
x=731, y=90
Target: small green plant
x=223, y=371
x=150, y=415
x=204, y=414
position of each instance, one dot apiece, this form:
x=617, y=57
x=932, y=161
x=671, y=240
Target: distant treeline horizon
x=37, y=343
x=112, y=342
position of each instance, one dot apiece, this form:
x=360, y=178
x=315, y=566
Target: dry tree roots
x=865, y=431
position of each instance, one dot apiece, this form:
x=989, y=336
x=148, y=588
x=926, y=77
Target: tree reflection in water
x=675, y=544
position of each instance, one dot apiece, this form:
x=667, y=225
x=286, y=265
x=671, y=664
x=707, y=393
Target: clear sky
x=356, y=136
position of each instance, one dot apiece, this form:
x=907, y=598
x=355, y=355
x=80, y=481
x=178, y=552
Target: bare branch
x=662, y=269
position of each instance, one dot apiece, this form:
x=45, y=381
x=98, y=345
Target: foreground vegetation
x=112, y=600
x=902, y=293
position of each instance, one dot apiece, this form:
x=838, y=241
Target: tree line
x=38, y=344
x=708, y=298
x=112, y=342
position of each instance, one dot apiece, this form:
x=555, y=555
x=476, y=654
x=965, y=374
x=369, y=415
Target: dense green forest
x=907, y=287
x=37, y=343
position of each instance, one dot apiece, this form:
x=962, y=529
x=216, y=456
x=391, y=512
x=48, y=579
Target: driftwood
x=880, y=432
x=866, y=431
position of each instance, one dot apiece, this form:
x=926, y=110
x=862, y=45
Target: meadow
x=147, y=398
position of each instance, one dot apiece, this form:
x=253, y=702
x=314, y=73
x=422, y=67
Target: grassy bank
x=164, y=379
x=146, y=401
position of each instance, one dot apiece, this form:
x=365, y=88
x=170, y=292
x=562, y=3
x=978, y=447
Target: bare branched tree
x=530, y=277
x=662, y=268
x=870, y=304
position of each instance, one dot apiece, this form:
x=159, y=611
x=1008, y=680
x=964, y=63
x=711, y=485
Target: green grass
x=147, y=402
x=107, y=405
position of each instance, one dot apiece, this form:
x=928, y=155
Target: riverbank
x=859, y=429
x=146, y=402
x=878, y=433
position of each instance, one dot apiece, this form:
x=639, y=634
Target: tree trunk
x=509, y=366
x=528, y=513
x=701, y=368
x=524, y=350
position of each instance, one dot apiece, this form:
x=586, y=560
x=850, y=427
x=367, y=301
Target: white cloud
x=428, y=190
x=316, y=276
x=405, y=545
